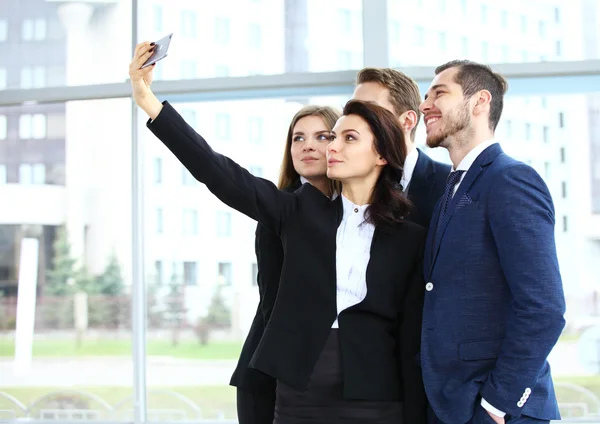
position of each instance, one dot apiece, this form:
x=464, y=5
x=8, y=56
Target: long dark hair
x=388, y=203
x=288, y=174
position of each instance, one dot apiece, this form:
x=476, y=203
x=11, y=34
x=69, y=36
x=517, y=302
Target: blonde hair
x=288, y=174
x=404, y=91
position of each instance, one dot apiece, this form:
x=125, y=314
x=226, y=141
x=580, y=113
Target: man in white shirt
x=423, y=179
x=494, y=301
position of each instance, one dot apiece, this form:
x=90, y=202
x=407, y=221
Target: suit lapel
x=437, y=234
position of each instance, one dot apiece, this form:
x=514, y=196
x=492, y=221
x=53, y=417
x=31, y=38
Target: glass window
x=3, y=127
x=27, y=29
x=25, y=174
x=188, y=24
x=223, y=224
x=255, y=36
x=222, y=31
x=190, y=273
x=223, y=124
x=157, y=170
x=3, y=30
x=190, y=222
x=224, y=274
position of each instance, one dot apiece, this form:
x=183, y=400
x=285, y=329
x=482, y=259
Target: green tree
x=61, y=277
x=110, y=282
x=219, y=314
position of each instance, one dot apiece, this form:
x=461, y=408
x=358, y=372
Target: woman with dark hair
x=343, y=337
x=304, y=161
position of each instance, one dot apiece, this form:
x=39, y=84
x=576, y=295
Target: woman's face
x=309, y=147
x=351, y=153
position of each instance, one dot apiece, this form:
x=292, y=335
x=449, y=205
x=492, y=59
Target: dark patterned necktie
x=453, y=178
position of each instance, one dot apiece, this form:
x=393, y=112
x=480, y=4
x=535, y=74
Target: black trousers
x=255, y=406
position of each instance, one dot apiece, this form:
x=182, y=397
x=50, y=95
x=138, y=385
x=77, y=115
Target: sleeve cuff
x=491, y=409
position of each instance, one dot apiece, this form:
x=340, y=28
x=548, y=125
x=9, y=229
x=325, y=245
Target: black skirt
x=323, y=401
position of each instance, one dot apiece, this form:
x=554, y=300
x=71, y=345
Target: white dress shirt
x=353, y=251
x=465, y=165
x=409, y=167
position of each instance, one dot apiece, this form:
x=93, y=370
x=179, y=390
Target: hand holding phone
x=161, y=47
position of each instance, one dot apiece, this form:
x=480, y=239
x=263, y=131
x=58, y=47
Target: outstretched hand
x=141, y=80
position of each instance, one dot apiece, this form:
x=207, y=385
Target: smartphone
x=161, y=47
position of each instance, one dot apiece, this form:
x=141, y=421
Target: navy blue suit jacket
x=426, y=187
x=494, y=301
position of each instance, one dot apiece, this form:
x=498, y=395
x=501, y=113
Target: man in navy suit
x=494, y=301
x=423, y=179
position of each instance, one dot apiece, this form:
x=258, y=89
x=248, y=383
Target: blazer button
x=429, y=286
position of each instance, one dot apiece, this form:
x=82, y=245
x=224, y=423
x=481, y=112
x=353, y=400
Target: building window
x=442, y=39
x=187, y=179
x=255, y=126
x=546, y=170
x=33, y=77
x=223, y=123
x=190, y=273
x=188, y=69
x=159, y=220
x=345, y=20
x=395, y=32
x=523, y=23
x=3, y=127
x=344, y=59
x=564, y=189
x=254, y=275
x=465, y=46
x=546, y=134
x=33, y=29
x=190, y=222
x=223, y=224
x=2, y=79
x=32, y=174
x=222, y=30
x=188, y=24
x=485, y=51
x=157, y=170
x=542, y=28
x=221, y=71
x=158, y=18
x=224, y=276
x=484, y=13
x=257, y=171
x=158, y=272
x=2, y=174
x=255, y=36
x=3, y=30
x=504, y=19
x=563, y=155
x=557, y=15
x=528, y=131
x=419, y=36
x=561, y=120
x=558, y=48
x=32, y=126
x=508, y=128
x=565, y=224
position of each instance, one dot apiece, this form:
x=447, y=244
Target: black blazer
x=379, y=337
x=269, y=259
x=426, y=187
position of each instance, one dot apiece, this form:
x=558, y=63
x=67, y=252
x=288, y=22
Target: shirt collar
x=352, y=210
x=468, y=160
x=409, y=167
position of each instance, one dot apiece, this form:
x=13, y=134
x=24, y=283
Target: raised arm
x=255, y=197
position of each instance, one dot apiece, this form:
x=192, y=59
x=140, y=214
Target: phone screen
x=161, y=47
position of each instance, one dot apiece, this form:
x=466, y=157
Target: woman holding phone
x=343, y=337
x=304, y=161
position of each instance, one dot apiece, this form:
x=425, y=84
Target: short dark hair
x=388, y=204
x=473, y=77
x=404, y=91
